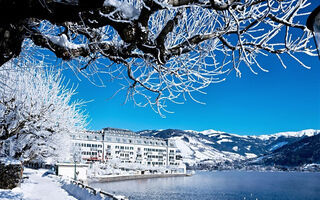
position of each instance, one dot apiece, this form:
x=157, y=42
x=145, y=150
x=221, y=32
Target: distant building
x=127, y=147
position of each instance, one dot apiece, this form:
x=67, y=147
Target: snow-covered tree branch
x=36, y=113
x=165, y=49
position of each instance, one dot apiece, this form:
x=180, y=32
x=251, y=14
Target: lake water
x=229, y=185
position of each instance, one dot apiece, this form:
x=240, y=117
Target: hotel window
x=118, y=139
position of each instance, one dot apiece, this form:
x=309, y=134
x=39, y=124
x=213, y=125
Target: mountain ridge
x=218, y=148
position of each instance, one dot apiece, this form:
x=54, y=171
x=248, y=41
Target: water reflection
x=229, y=185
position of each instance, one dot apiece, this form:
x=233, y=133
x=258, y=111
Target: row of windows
x=119, y=147
x=124, y=140
x=123, y=147
x=88, y=137
x=125, y=155
x=118, y=152
x=88, y=145
x=154, y=156
x=89, y=153
x=156, y=163
x=156, y=150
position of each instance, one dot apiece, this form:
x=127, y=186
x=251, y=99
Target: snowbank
x=80, y=193
x=40, y=185
x=36, y=187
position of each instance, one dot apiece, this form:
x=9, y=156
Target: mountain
x=216, y=148
x=304, y=151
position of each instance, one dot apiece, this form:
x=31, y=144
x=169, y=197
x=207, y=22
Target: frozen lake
x=229, y=185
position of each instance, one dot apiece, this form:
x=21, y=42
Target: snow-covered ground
x=41, y=185
x=37, y=187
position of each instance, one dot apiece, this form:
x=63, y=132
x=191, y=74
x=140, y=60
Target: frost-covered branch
x=37, y=116
x=164, y=50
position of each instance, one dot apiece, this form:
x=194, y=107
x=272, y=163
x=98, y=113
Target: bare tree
x=164, y=49
x=37, y=117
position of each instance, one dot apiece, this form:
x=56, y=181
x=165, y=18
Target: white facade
x=127, y=147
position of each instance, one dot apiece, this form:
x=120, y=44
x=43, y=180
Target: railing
x=96, y=192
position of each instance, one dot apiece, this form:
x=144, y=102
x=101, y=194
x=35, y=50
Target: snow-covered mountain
x=304, y=151
x=211, y=147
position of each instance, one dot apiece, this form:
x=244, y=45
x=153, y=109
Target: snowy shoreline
x=41, y=185
x=113, y=178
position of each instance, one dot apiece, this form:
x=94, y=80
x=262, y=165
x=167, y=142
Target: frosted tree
x=161, y=50
x=37, y=116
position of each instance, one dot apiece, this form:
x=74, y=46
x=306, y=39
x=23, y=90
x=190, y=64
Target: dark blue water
x=230, y=185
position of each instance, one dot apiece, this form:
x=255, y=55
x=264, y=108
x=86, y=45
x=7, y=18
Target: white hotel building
x=128, y=147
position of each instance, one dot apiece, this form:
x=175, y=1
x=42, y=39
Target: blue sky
x=280, y=100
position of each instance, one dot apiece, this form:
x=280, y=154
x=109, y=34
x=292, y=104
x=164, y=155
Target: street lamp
x=313, y=24
x=76, y=158
x=76, y=150
x=103, y=155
